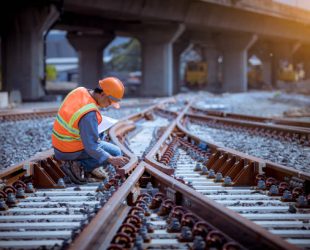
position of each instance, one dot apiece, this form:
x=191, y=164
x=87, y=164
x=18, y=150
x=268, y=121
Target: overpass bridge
x=232, y=28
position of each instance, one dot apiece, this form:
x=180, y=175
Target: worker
x=75, y=131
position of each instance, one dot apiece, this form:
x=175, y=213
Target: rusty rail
x=240, y=171
x=96, y=230
x=118, y=132
x=27, y=114
x=16, y=171
x=250, y=124
x=98, y=233
x=151, y=156
x=245, y=231
x=267, y=120
x=268, y=166
x=34, y=113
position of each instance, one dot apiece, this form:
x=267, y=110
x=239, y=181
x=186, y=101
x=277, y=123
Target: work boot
x=99, y=173
x=77, y=171
x=103, y=171
x=66, y=168
x=91, y=179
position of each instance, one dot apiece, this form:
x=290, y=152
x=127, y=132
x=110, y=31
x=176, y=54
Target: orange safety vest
x=66, y=134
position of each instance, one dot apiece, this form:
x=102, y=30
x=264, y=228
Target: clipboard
x=106, y=123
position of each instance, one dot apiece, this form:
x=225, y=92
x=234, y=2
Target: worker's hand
x=118, y=161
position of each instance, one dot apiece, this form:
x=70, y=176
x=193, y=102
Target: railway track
x=275, y=198
x=177, y=106
x=160, y=199
x=242, y=117
x=147, y=130
x=34, y=113
x=30, y=132
x=162, y=213
x=45, y=209
x=283, y=145
x=27, y=114
x=48, y=218
x=52, y=214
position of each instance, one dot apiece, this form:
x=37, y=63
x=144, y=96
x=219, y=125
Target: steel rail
x=97, y=234
x=16, y=115
x=16, y=171
x=31, y=168
x=252, y=167
x=118, y=132
x=34, y=113
x=88, y=239
x=261, y=119
x=247, y=233
x=253, y=124
x=152, y=155
x=270, y=167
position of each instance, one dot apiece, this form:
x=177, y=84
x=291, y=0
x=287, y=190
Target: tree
x=126, y=57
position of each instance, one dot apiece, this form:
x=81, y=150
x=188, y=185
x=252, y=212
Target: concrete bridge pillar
x=302, y=55
x=211, y=55
x=267, y=70
x=22, y=51
x=157, y=59
x=178, y=49
x=90, y=50
x=306, y=60
x=263, y=50
x=234, y=48
x=307, y=68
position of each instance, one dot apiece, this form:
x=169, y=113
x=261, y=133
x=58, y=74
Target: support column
x=306, y=60
x=157, y=59
x=267, y=71
x=302, y=55
x=178, y=48
x=90, y=50
x=211, y=55
x=234, y=49
x=263, y=50
x=22, y=51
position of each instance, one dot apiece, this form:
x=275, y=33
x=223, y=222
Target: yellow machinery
x=255, y=76
x=196, y=74
x=288, y=74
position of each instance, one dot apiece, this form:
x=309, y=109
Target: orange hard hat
x=114, y=89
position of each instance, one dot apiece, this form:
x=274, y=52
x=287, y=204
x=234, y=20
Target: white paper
x=106, y=123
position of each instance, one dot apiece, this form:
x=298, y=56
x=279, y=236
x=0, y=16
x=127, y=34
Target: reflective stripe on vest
x=82, y=110
x=67, y=126
x=65, y=137
x=75, y=116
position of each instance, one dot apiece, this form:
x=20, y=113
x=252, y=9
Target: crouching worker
x=75, y=131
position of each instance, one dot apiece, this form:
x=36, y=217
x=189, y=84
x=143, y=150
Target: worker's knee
x=112, y=149
x=117, y=151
